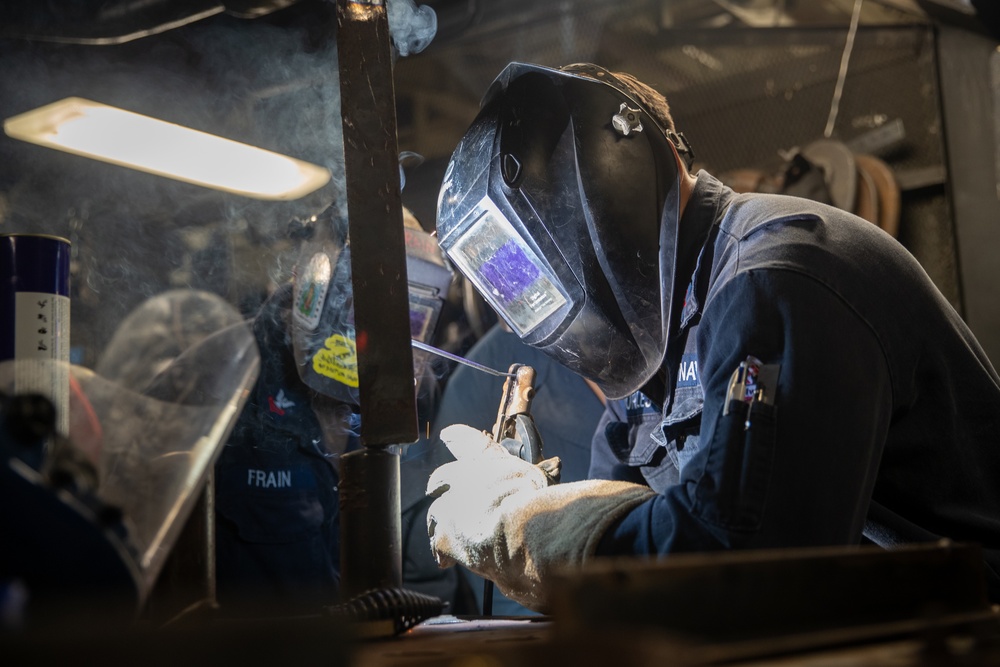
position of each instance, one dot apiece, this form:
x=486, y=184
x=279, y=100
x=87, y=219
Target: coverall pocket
x=732, y=490
x=275, y=518
x=277, y=528
x=277, y=550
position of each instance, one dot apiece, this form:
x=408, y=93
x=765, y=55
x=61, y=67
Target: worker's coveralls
x=885, y=425
x=278, y=537
x=277, y=494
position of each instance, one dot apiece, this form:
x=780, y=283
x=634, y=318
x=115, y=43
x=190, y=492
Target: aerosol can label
x=41, y=334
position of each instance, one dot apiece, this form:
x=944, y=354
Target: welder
x=783, y=373
x=278, y=545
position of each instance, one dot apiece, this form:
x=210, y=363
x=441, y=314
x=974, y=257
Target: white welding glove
x=505, y=520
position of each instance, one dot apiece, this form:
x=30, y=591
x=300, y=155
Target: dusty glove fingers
x=459, y=533
x=440, y=543
x=465, y=441
x=466, y=493
x=486, y=476
x=461, y=473
x=466, y=522
x=441, y=478
x=440, y=551
x=552, y=467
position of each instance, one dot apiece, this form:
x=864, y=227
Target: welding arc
x=462, y=360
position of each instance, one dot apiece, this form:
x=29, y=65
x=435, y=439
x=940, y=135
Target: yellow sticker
x=338, y=360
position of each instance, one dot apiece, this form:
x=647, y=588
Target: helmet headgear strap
x=598, y=73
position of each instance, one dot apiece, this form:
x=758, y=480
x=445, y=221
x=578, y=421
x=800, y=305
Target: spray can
x=34, y=316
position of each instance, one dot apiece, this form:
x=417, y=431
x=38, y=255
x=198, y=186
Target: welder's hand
x=503, y=518
x=471, y=490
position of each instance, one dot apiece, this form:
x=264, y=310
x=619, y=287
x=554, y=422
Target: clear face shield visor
x=323, y=331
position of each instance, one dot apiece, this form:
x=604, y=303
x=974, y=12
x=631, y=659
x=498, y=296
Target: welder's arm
x=503, y=518
x=802, y=472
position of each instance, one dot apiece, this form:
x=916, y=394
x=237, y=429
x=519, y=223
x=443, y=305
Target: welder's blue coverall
x=885, y=424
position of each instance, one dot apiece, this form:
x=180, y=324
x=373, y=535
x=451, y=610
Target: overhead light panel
x=109, y=134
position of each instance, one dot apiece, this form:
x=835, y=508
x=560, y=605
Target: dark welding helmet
x=560, y=204
x=322, y=319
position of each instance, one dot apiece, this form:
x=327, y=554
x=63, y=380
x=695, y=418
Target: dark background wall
x=746, y=87
x=970, y=93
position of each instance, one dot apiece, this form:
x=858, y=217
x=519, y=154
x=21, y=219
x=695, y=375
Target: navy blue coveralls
x=277, y=515
x=885, y=426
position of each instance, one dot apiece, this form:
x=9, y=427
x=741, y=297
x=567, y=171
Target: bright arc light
x=106, y=133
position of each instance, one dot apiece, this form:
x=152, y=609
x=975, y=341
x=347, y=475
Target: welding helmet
x=322, y=319
x=560, y=205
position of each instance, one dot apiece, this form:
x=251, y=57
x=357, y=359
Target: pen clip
x=737, y=387
x=743, y=385
x=758, y=397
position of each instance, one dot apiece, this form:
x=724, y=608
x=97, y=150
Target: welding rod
x=462, y=360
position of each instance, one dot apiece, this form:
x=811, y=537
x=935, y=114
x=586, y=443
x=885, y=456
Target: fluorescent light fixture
x=105, y=133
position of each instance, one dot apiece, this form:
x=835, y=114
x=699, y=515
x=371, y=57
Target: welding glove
x=504, y=518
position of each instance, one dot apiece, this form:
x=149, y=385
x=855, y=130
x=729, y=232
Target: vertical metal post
x=370, y=524
x=371, y=551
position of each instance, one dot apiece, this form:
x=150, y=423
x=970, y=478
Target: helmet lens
x=507, y=272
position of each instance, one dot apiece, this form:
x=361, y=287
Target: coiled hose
x=374, y=610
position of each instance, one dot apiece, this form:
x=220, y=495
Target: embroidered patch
x=265, y=477
x=687, y=373
x=278, y=404
x=637, y=406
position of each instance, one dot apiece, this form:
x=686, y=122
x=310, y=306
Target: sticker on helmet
x=310, y=291
x=338, y=360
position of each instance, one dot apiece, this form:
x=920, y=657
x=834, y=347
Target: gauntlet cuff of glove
x=557, y=527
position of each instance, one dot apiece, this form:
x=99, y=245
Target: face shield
x=560, y=206
x=322, y=319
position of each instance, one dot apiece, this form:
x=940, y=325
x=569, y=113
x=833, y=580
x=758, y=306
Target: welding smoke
x=270, y=82
x=412, y=28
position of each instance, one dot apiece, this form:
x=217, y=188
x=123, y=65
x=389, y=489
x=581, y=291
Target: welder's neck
x=687, y=187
